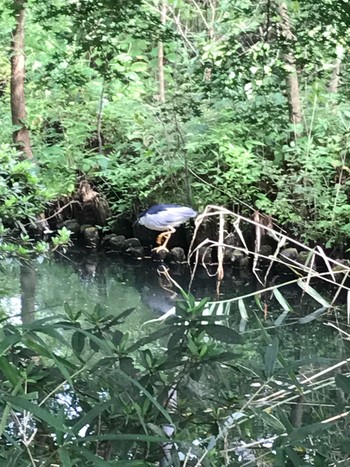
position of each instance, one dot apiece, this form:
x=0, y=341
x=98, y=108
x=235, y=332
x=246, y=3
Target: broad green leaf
x=278, y=321
x=242, y=309
x=37, y=411
x=126, y=437
x=139, y=66
x=299, y=434
x=64, y=457
x=223, y=334
x=78, y=342
x=272, y=421
x=162, y=332
x=10, y=372
x=343, y=382
x=92, y=414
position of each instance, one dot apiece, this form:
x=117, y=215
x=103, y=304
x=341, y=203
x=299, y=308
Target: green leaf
x=139, y=66
x=126, y=437
x=64, y=457
x=149, y=396
x=162, y=332
x=78, y=342
x=299, y=434
x=223, y=334
x=92, y=414
x=271, y=355
x=272, y=421
x=343, y=382
x=37, y=411
x=10, y=371
x=89, y=456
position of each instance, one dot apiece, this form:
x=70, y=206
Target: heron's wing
x=176, y=216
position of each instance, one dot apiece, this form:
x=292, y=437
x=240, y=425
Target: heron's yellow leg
x=164, y=235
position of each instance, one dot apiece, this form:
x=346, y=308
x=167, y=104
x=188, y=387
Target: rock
x=131, y=243
x=70, y=224
x=244, y=262
x=91, y=236
x=136, y=252
x=205, y=254
x=117, y=242
x=177, y=255
x=265, y=250
x=122, y=227
x=304, y=257
x=289, y=253
x=161, y=256
x=133, y=247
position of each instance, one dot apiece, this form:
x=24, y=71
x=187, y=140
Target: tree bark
x=334, y=83
x=161, y=55
x=295, y=113
x=335, y=79
x=18, y=108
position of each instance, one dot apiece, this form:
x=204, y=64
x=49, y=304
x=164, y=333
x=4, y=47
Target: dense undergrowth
x=223, y=135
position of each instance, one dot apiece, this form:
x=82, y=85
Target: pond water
x=86, y=280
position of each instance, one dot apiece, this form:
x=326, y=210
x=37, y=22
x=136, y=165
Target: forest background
x=238, y=103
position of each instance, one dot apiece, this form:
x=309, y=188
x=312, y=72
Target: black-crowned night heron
x=164, y=218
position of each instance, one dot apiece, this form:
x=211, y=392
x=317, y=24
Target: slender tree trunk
x=295, y=113
x=18, y=108
x=161, y=55
x=335, y=79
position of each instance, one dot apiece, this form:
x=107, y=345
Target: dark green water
x=116, y=283
x=85, y=280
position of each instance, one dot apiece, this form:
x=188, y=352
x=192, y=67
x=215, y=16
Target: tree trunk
x=295, y=113
x=161, y=55
x=18, y=109
x=335, y=79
